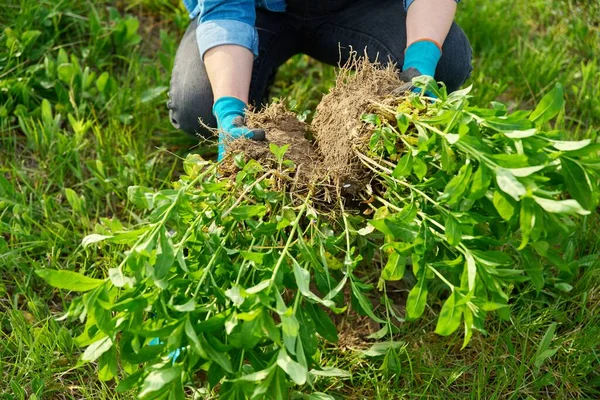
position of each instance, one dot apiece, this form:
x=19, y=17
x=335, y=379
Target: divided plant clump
x=239, y=270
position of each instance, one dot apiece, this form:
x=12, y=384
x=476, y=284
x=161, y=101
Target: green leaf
x=394, y=268
x=549, y=107
x=543, y=351
x=417, y=299
x=533, y=268
x=527, y=221
x=73, y=199
x=108, y=368
x=213, y=355
x=492, y=258
x=153, y=93
x=481, y=183
x=511, y=160
x=561, y=206
x=156, y=380
x=236, y=294
x=571, y=145
x=394, y=227
x=593, y=148
x=405, y=165
x=188, y=306
x=274, y=387
x=580, y=184
x=165, y=255
x=509, y=184
x=325, y=326
x=491, y=306
x=420, y=168
x=256, y=258
x=259, y=287
x=303, y=281
x=469, y=325
x=520, y=134
x=503, y=205
x=297, y=372
x=471, y=267
x=93, y=238
x=194, y=341
x=450, y=316
x=278, y=152
x=96, y=349
x=448, y=159
x=66, y=72
x=141, y=197
x=526, y=171
x=241, y=213
x=364, y=302
x=331, y=373
x=102, y=81
x=509, y=123
x=380, y=349
x=453, y=231
x=458, y=186
x=235, y=390
x=68, y=280
x=119, y=279
x=130, y=382
x=255, y=376
x=290, y=328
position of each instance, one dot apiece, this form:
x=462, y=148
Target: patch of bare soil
x=329, y=166
x=282, y=128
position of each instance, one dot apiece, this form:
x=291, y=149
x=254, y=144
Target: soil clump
x=330, y=165
x=338, y=129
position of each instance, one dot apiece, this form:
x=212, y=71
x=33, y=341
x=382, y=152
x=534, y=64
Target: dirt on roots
x=329, y=166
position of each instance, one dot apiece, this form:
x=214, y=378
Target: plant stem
x=284, y=252
x=245, y=192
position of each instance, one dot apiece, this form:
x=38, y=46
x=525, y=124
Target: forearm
x=229, y=69
x=228, y=43
x=429, y=19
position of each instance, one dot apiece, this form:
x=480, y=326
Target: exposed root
x=338, y=128
x=330, y=168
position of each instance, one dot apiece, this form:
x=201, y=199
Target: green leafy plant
x=236, y=276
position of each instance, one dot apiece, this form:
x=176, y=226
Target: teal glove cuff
x=226, y=109
x=423, y=56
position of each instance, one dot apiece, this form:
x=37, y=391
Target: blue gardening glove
x=420, y=58
x=230, y=112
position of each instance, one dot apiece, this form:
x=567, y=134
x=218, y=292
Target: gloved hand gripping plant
x=230, y=114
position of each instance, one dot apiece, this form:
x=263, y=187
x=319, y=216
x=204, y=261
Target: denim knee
x=455, y=66
x=190, y=92
x=190, y=108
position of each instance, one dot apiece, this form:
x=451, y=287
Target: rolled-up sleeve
x=407, y=3
x=223, y=22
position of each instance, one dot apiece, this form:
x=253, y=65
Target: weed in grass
x=231, y=275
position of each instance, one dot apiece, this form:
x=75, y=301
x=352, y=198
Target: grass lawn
x=82, y=117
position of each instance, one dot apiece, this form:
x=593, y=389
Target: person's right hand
x=407, y=77
x=230, y=115
x=420, y=58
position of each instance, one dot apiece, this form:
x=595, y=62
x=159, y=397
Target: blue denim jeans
x=323, y=29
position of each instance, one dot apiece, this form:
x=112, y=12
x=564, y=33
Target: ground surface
x=65, y=166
